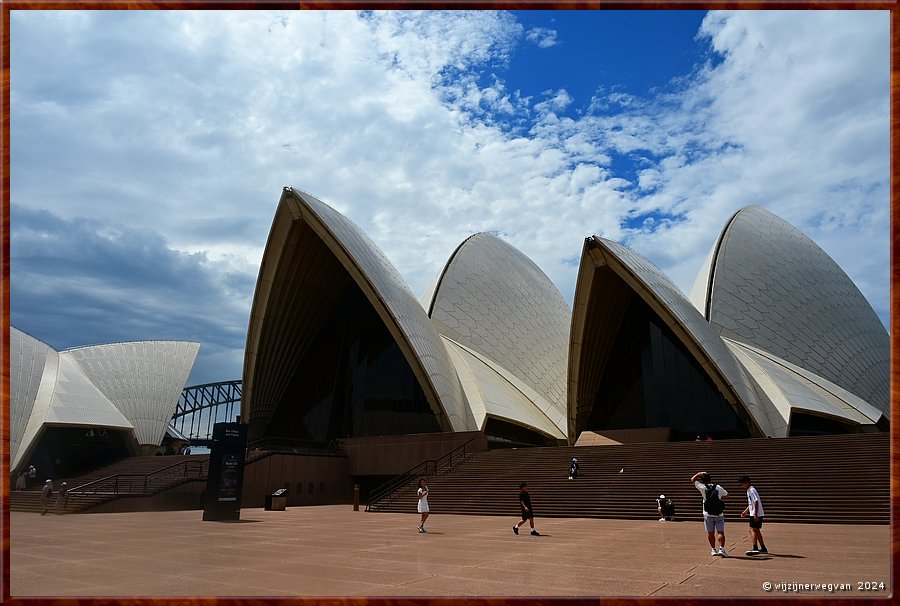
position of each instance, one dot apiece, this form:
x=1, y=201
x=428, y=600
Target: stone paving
x=334, y=551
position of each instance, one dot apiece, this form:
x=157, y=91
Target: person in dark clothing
x=62, y=498
x=527, y=511
x=46, y=495
x=666, y=508
x=573, y=469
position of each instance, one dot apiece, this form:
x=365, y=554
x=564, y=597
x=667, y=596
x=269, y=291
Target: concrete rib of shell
x=493, y=300
x=658, y=290
x=384, y=287
x=791, y=388
x=493, y=391
x=768, y=285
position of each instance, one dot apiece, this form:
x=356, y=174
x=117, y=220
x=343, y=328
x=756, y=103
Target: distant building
x=83, y=406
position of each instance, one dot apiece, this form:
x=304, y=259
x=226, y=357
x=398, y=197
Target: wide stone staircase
x=133, y=476
x=822, y=479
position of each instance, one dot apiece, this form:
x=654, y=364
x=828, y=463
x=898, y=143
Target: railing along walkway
x=135, y=484
x=383, y=494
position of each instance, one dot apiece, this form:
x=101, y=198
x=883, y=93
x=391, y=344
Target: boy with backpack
x=713, y=511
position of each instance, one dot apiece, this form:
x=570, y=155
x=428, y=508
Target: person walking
x=755, y=510
x=527, y=510
x=46, y=495
x=713, y=511
x=62, y=499
x=32, y=476
x=422, y=507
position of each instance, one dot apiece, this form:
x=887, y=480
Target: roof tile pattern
x=403, y=306
x=792, y=388
x=493, y=391
x=77, y=401
x=27, y=357
x=776, y=289
x=496, y=301
x=51, y=388
x=143, y=379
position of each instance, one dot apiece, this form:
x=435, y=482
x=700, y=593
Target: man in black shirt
x=527, y=511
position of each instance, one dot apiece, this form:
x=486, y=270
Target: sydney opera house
x=350, y=379
x=79, y=407
x=773, y=340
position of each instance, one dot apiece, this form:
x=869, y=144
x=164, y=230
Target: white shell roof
x=27, y=357
x=77, y=401
x=495, y=301
x=790, y=388
x=386, y=290
x=142, y=379
x=768, y=285
x=493, y=391
x=48, y=388
x=664, y=297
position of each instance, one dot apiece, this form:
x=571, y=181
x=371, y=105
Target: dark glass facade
x=813, y=425
x=66, y=451
x=501, y=434
x=651, y=380
x=352, y=381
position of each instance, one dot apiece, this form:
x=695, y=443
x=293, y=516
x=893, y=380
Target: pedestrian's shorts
x=527, y=514
x=756, y=524
x=714, y=523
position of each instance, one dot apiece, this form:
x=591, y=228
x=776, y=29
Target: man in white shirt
x=756, y=513
x=713, y=511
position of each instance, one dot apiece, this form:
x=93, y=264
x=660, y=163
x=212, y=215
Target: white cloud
x=796, y=118
x=188, y=124
x=542, y=36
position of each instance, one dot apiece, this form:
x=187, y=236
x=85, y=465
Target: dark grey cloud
x=82, y=281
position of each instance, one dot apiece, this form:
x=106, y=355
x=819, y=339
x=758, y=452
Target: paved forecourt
x=334, y=551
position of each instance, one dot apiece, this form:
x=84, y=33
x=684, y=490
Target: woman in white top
x=422, y=493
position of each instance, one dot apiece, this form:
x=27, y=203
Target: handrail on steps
x=144, y=480
x=428, y=467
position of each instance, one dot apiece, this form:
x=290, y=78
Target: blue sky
x=633, y=51
x=149, y=149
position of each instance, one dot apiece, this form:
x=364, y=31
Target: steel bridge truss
x=202, y=406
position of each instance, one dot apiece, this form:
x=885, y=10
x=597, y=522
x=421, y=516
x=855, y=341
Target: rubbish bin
x=277, y=501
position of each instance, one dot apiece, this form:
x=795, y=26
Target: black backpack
x=712, y=504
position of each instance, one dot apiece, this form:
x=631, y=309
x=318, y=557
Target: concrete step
x=823, y=479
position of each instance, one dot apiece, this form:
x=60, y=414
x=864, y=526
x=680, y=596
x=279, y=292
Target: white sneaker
x=421, y=530
x=722, y=553
x=713, y=552
x=662, y=519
